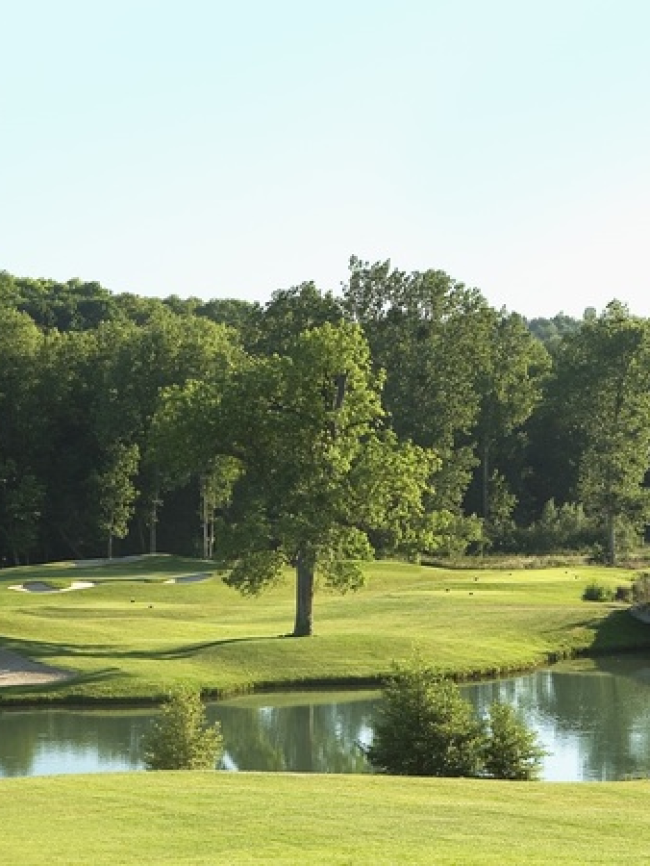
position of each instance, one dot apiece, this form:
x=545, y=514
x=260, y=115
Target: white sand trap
x=190, y=578
x=16, y=670
x=39, y=586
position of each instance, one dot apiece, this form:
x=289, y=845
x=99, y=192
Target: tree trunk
x=611, y=538
x=211, y=535
x=153, y=517
x=109, y=546
x=485, y=491
x=485, y=481
x=205, y=517
x=305, y=566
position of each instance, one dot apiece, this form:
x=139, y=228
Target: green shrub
x=511, y=750
x=560, y=527
x=181, y=739
x=426, y=728
x=595, y=591
x=623, y=592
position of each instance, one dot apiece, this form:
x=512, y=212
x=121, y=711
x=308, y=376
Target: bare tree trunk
x=485, y=492
x=611, y=538
x=485, y=480
x=208, y=535
x=305, y=566
x=211, y=535
x=153, y=520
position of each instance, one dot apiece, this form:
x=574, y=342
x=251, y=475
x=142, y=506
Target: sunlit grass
x=205, y=818
x=133, y=635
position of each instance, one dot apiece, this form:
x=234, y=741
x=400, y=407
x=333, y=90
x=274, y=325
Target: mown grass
x=208, y=818
x=133, y=636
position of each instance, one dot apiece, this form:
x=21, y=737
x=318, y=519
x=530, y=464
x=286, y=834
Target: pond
x=593, y=717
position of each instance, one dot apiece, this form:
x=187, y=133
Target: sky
x=230, y=149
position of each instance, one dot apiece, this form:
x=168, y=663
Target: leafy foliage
x=511, y=750
x=595, y=591
x=426, y=728
x=181, y=739
x=560, y=527
x=604, y=372
x=322, y=481
x=305, y=427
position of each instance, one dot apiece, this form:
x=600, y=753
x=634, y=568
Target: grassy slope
x=194, y=818
x=134, y=636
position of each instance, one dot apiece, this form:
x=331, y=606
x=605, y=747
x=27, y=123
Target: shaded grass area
x=133, y=636
x=208, y=818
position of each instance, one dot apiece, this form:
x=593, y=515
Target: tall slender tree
x=603, y=376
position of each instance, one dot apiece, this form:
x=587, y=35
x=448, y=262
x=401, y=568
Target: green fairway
x=211, y=818
x=133, y=635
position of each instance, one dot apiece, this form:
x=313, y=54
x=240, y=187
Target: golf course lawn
x=133, y=635
x=152, y=819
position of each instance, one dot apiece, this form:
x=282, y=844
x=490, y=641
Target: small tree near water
x=181, y=739
x=511, y=750
x=426, y=728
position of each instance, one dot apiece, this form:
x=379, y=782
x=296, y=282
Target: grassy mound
x=135, y=634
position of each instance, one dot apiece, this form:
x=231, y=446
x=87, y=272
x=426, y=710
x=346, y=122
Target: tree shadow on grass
x=619, y=632
x=44, y=651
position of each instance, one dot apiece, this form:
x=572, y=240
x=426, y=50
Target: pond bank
x=19, y=672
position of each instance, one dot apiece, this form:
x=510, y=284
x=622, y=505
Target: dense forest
x=131, y=424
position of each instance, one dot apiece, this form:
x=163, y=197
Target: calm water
x=594, y=718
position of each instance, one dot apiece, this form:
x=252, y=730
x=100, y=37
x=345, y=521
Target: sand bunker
x=39, y=586
x=190, y=578
x=16, y=670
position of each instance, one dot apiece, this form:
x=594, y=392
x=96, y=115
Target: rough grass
x=207, y=818
x=133, y=636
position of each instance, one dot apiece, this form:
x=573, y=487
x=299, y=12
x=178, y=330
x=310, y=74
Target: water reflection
x=43, y=742
x=593, y=717
x=306, y=735
x=309, y=732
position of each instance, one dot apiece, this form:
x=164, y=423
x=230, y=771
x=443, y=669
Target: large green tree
x=509, y=380
x=21, y=492
x=461, y=377
x=430, y=334
x=320, y=473
x=603, y=382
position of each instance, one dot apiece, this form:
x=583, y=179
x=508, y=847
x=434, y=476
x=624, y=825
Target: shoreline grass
x=133, y=636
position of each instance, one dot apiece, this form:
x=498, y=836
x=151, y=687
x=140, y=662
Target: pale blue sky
x=228, y=149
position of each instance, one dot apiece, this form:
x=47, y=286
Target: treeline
x=108, y=443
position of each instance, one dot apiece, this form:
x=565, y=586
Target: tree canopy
x=403, y=413
x=320, y=475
